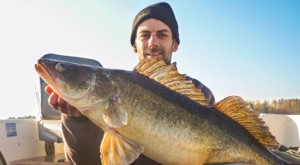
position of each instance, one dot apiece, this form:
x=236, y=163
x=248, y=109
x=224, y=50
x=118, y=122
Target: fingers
x=61, y=101
x=72, y=111
x=52, y=100
x=55, y=101
x=48, y=90
x=60, y=104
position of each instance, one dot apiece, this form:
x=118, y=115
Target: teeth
x=153, y=55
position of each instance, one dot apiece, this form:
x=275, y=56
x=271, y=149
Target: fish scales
x=177, y=124
x=139, y=115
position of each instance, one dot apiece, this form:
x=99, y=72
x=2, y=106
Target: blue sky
x=249, y=48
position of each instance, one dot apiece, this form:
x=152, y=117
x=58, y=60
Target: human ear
x=175, y=46
x=134, y=48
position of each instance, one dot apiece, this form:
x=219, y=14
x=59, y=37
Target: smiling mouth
x=153, y=55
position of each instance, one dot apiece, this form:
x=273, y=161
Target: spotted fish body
x=155, y=111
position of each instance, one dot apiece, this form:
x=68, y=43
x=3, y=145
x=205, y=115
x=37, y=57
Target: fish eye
x=60, y=67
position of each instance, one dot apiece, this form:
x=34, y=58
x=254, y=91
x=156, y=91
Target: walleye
x=154, y=110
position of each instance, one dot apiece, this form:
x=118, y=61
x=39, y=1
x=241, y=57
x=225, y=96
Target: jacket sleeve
x=207, y=92
x=82, y=139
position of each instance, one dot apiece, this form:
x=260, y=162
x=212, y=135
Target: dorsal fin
x=233, y=106
x=237, y=109
x=168, y=76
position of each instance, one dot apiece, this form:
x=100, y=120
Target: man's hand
x=60, y=104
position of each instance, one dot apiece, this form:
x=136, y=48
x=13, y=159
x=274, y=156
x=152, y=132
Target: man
x=154, y=34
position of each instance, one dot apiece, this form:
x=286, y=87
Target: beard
x=154, y=50
x=161, y=54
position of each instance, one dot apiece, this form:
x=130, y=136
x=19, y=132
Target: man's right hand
x=60, y=104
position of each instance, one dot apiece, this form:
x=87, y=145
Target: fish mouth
x=45, y=75
x=56, y=84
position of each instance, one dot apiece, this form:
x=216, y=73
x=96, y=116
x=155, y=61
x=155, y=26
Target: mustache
x=154, y=50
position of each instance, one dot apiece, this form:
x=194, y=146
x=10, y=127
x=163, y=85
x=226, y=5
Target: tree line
x=23, y=117
x=281, y=106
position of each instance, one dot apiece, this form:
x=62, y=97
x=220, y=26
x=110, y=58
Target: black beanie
x=161, y=11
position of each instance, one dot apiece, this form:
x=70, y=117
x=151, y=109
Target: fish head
x=82, y=86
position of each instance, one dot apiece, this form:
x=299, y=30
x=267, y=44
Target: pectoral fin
x=118, y=150
x=115, y=116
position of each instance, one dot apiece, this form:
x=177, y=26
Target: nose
x=153, y=41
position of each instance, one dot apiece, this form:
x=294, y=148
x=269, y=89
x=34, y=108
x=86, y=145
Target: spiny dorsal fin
x=168, y=76
x=237, y=109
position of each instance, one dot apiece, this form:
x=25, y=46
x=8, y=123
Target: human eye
x=144, y=35
x=162, y=35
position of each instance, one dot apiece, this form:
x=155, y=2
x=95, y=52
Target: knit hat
x=161, y=11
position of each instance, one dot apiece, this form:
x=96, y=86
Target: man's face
x=154, y=39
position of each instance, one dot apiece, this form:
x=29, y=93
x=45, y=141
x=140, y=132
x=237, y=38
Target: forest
x=281, y=106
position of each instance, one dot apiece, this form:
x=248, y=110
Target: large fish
x=154, y=110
